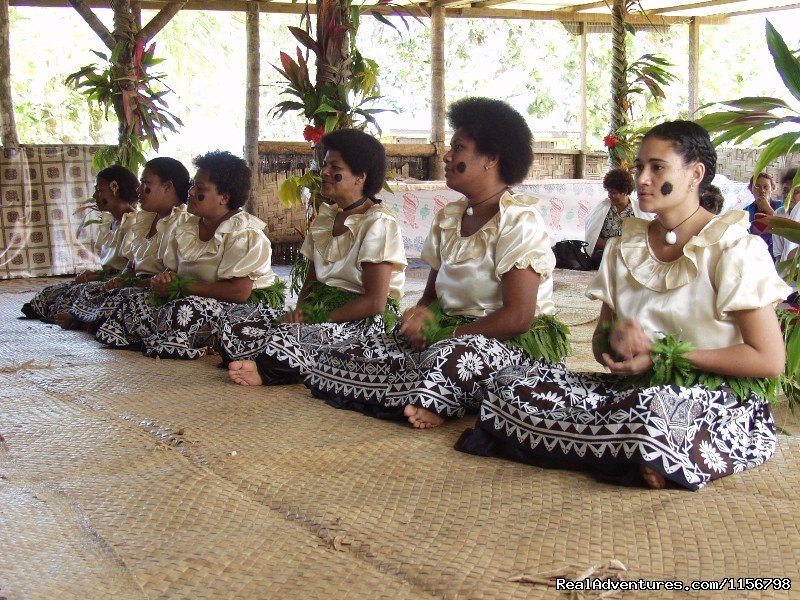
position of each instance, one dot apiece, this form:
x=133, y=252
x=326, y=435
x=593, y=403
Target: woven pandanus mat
x=124, y=476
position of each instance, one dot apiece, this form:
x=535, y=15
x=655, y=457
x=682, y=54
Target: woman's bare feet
x=653, y=479
x=244, y=372
x=66, y=320
x=422, y=418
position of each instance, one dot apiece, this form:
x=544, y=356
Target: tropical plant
x=137, y=100
x=754, y=116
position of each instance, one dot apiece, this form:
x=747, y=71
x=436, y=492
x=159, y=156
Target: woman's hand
x=631, y=366
x=112, y=284
x=158, y=283
x=628, y=340
x=411, y=324
x=295, y=316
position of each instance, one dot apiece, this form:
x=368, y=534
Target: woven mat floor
x=127, y=477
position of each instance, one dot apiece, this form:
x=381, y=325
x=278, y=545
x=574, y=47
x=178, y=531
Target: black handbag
x=571, y=254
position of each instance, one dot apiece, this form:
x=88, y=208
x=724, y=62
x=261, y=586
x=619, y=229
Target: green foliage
x=273, y=296
x=755, y=115
x=177, y=288
x=321, y=300
x=137, y=102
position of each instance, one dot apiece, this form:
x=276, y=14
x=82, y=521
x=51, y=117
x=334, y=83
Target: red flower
x=610, y=141
x=313, y=134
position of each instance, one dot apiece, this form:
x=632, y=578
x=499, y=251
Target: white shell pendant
x=671, y=237
x=469, y=213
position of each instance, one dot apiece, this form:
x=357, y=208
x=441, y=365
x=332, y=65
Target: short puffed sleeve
x=382, y=241
x=745, y=277
x=247, y=253
x=522, y=240
x=307, y=247
x=603, y=286
x=431, y=249
x=169, y=256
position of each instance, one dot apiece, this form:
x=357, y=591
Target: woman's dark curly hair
x=125, y=180
x=692, y=142
x=362, y=153
x=229, y=173
x=498, y=130
x=172, y=170
x=619, y=180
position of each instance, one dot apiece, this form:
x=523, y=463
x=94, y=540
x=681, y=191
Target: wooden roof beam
x=756, y=11
x=456, y=13
x=691, y=6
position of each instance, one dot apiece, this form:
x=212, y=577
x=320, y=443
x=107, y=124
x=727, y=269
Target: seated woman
x=162, y=196
x=762, y=188
x=355, y=276
x=605, y=219
x=217, y=255
x=114, y=194
x=488, y=300
x=687, y=329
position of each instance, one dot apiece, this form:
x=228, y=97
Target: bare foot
x=422, y=418
x=653, y=479
x=244, y=372
x=65, y=320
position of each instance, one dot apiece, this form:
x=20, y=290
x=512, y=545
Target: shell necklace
x=469, y=210
x=670, y=237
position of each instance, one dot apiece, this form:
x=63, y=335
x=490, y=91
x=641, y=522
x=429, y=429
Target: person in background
x=605, y=219
x=762, y=188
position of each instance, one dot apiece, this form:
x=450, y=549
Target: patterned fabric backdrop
x=565, y=203
x=40, y=188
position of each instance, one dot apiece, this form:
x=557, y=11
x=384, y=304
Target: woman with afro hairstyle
x=688, y=330
x=355, y=276
x=488, y=299
x=216, y=256
x=115, y=197
x=605, y=220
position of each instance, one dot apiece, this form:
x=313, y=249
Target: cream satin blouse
x=371, y=237
x=239, y=248
x=470, y=269
x=111, y=243
x=147, y=254
x=723, y=269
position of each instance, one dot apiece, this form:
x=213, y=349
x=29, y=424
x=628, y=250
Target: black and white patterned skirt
x=284, y=352
x=54, y=299
x=186, y=328
x=552, y=417
x=383, y=374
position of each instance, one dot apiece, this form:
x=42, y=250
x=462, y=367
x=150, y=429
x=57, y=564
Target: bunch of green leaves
x=757, y=115
x=273, y=296
x=547, y=339
x=790, y=325
x=178, y=287
x=137, y=99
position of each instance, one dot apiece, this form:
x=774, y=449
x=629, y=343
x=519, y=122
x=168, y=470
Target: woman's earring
x=691, y=187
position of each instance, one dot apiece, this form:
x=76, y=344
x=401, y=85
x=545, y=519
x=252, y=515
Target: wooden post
x=581, y=163
x=619, y=66
x=435, y=164
x=8, y=125
x=694, y=66
x=251, y=103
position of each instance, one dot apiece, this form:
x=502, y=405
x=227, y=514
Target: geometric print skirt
x=381, y=375
x=551, y=417
x=52, y=300
x=185, y=328
x=284, y=352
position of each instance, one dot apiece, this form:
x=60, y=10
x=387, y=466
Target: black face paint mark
x=666, y=189
x=147, y=190
x=338, y=177
x=461, y=167
x=201, y=197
